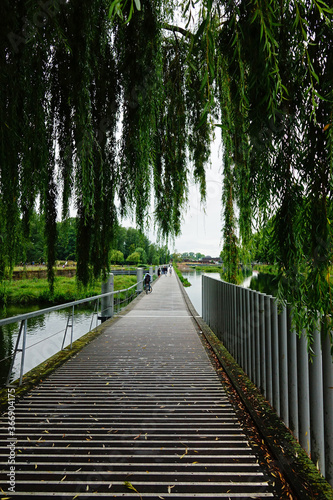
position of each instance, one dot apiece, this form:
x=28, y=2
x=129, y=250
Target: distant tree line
x=130, y=246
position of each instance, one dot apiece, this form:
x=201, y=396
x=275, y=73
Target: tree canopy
x=104, y=102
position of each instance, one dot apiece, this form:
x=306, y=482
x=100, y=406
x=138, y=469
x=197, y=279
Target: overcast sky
x=201, y=231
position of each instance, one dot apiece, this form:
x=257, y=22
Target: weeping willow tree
x=104, y=102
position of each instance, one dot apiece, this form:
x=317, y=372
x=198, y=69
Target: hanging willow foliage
x=105, y=101
x=277, y=63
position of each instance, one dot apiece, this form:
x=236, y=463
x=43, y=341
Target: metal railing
x=260, y=338
x=119, y=299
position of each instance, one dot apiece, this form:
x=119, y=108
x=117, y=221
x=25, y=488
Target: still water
x=45, y=335
x=264, y=283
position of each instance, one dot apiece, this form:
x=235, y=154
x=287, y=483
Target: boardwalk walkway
x=138, y=413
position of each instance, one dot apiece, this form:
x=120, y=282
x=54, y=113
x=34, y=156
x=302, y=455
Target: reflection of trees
x=6, y=348
x=36, y=323
x=265, y=283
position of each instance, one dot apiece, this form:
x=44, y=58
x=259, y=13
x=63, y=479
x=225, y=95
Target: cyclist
x=147, y=280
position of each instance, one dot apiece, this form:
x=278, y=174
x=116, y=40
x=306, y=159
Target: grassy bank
x=180, y=276
x=31, y=291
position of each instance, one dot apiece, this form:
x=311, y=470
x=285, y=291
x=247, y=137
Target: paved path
x=140, y=412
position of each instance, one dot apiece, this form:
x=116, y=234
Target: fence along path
x=140, y=412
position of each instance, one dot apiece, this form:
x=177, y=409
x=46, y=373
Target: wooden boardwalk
x=138, y=413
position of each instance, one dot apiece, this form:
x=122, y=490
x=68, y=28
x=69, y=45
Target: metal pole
x=317, y=403
x=235, y=332
x=292, y=377
x=107, y=302
x=328, y=406
x=252, y=338
x=16, y=350
x=283, y=365
x=24, y=340
x=139, y=277
x=275, y=357
x=262, y=357
x=256, y=325
x=268, y=349
x=303, y=393
x=72, y=327
x=240, y=360
x=247, y=332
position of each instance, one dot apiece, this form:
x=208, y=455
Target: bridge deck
x=140, y=412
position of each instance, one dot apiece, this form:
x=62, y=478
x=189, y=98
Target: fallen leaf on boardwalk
x=76, y=496
x=170, y=488
x=87, y=488
x=28, y=438
x=136, y=437
x=63, y=478
x=131, y=487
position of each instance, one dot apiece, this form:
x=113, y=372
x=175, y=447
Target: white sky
x=201, y=229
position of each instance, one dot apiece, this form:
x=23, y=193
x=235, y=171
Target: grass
x=180, y=276
x=31, y=291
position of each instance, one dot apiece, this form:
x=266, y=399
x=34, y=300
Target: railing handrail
x=22, y=317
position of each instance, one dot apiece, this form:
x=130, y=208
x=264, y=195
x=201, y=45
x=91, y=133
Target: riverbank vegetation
x=184, y=281
x=37, y=291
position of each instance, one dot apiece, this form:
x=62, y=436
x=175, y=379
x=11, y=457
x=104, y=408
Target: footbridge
x=145, y=410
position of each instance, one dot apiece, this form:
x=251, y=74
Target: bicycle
x=148, y=288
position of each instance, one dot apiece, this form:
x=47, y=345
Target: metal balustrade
x=108, y=303
x=260, y=337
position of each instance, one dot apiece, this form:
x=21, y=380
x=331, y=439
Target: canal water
x=45, y=335
x=264, y=283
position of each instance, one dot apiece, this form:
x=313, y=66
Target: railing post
x=268, y=349
x=24, y=341
x=317, y=404
x=252, y=338
x=139, y=277
x=235, y=332
x=247, y=333
x=292, y=377
x=256, y=340
x=275, y=357
x=240, y=329
x=328, y=406
x=303, y=393
x=72, y=327
x=263, y=380
x=107, y=302
x=283, y=365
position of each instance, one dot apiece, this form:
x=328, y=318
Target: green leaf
x=138, y=4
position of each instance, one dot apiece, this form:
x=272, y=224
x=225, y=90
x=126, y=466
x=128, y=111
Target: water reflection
x=45, y=334
x=264, y=283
